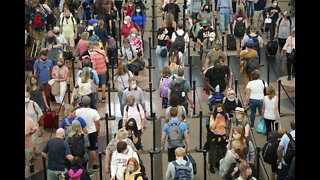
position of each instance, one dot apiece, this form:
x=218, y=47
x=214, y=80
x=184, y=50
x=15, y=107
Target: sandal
x=40, y=134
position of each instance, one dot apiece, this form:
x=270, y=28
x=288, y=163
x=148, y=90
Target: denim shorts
x=103, y=78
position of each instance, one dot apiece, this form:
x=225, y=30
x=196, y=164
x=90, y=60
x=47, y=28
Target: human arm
x=247, y=92
x=190, y=99
x=163, y=139
x=107, y=161
x=277, y=110
x=186, y=140
x=263, y=108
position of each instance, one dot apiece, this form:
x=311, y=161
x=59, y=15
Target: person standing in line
x=270, y=110
x=42, y=68
x=92, y=118
x=163, y=38
x=30, y=129
x=274, y=12
x=52, y=46
x=289, y=50
x=56, y=151
x=224, y=7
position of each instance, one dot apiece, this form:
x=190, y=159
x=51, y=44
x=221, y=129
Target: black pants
x=119, y=7
x=291, y=65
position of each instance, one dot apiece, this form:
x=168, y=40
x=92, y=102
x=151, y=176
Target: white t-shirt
x=269, y=112
x=180, y=33
x=90, y=116
x=256, y=89
x=134, y=113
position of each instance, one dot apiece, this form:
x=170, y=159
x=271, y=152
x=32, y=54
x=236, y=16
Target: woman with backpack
x=162, y=50
x=78, y=142
x=163, y=86
x=240, y=24
x=132, y=172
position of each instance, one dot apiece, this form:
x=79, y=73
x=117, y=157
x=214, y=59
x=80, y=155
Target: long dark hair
x=134, y=127
x=135, y=12
x=224, y=112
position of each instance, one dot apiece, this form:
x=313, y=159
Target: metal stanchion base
x=152, y=67
x=198, y=149
x=155, y=151
x=281, y=114
x=194, y=115
x=113, y=90
x=111, y=117
x=187, y=65
x=150, y=118
x=148, y=90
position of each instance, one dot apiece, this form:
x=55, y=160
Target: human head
x=216, y=46
x=174, y=101
x=34, y=81
x=239, y=114
x=180, y=152
x=293, y=125
x=60, y=62
x=253, y=29
x=180, y=72
x=271, y=92
x=204, y=24
x=85, y=101
x=50, y=34
x=121, y=147
x=76, y=162
x=134, y=32
x=275, y=3
x=161, y=30
x=131, y=100
x=206, y=8
x=238, y=133
x=121, y=70
x=101, y=23
x=132, y=82
x=246, y=172
x=166, y=72
x=60, y=133
x=37, y=8
x=180, y=26
x=67, y=13
x=43, y=55
x=235, y=144
x=122, y=134
x=27, y=97
x=69, y=109
x=174, y=112
x=242, y=153
x=76, y=129
x=93, y=22
x=127, y=20
x=231, y=95
x=90, y=44
x=138, y=8
x=96, y=45
x=217, y=64
x=212, y=36
x=255, y=75
x=86, y=62
x=133, y=164
x=56, y=30
x=76, y=100
x=131, y=124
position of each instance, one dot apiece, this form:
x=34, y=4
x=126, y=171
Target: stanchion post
x=148, y=89
x=112, y=74
x=100, y=162
x=107, y=129
x=268, y=71
x=184, y=15
x=189, y=56
x=44, y=168
x=73, y=76
x=222, y=48
x=279, y=92
x=111, y=117
x=154, y=150
x=199, y=148
x=258, y=161
x=150, y=57
x=194, y=115
x=205, y=164
x=68, y=91
x=236, y=87
x=150, y=92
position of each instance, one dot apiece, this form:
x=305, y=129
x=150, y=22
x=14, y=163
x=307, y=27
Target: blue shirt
x=182, y=126
x=43, y=70
x=43, y=19
x=224, y=4
x=260, y=5
x=70, y=119
x=139, y=19
x=284, y=142
x=95, y=76
x=57, y=149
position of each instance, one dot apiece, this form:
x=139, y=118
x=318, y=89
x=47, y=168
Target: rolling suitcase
x=49, y=119
x=272, y=47
x=29, y=60
x=231, y=42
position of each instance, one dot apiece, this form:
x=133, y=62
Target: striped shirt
x=99, y=57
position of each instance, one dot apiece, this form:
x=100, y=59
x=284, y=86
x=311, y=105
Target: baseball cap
x=204, y=21
x=92, y=21
x=253, y=28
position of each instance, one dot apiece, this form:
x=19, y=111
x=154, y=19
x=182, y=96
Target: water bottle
x=217, y=88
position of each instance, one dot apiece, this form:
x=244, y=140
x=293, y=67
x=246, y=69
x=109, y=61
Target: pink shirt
x=61, y=73
x=82, y=45
x=30, y=126
x=136, y=43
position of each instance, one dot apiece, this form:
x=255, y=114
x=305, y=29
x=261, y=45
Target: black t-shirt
x=175, y=8
x=274, y=12
x=203, y=34
x=230, y=106
x=217, y=77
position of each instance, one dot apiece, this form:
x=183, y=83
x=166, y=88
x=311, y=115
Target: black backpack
x=291, y=150
x=269, y=150
x=239, y=28
x=76, y=144
x=255, y=42
x=180, y=42
x=252, y=64
x=177, y=90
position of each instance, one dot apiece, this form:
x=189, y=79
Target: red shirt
x=125, y=30
x=100, y=61
x=130, y=9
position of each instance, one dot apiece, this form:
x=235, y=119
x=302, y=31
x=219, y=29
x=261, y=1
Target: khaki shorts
x=70, y=39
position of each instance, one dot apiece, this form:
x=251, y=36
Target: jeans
x=224, y=18
x=54, y=175
x=120, y=95
x=162, y=61
x=254, y=104
x=250, y=7
x=291, y=65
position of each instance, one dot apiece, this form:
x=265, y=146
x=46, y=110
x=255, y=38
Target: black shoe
x=289, y=78
x=212, y=169
x=293, y=75
x=31, y=170
x=194, y=49
x=94, y=168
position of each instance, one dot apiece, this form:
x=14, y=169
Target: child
x=164, y=82
x=266, y=23
x=194, y=32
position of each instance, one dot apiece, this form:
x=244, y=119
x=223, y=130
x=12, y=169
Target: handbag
x=261, y=128
x=55, y=88
x=137, y=65
x=163, y=52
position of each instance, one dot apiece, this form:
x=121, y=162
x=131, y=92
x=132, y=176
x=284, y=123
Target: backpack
x=37, y=20
x=174, y=136
x=183, y=172
x=255, y=42
x=189, y=158
x=68, y=127
x=252, y=64
x=239, y=28
x=180, y=42
x=291, y=150
x=178, y=90
x=164, y=87
x=137, y=105
x=76, y=145
x=269, y=150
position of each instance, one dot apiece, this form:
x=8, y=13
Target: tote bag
x=261, y=128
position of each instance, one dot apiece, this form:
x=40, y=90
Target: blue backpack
x=183, y=172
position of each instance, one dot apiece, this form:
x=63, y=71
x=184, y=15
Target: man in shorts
x=69, y=29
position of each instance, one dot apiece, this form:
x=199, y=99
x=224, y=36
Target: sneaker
x=212, y=169
x=94, y=168
x=267, y=37
x=103, y=100
x=194, y=49
x=31, y=170
x=289, y=78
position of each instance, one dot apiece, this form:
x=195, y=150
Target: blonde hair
x=61, y=60
x=270, y=92
x=235, y=144
x=173, y=65
x=85, y=35
x=166, y=72
x=131, y=99
x=85, y=75
x=134, y=30
x=100, y=23
x=180, y=152
x=122, y=133
x=231, y=92
x=76, y=129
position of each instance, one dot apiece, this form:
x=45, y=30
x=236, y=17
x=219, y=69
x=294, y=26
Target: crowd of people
x=68, y=30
